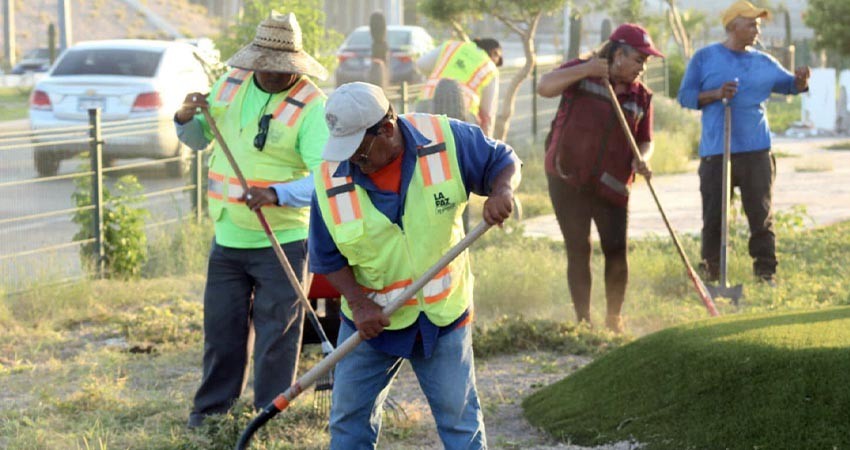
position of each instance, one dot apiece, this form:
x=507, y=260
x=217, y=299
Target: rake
x=283, y=400
x=327, y=383
x=702, y=291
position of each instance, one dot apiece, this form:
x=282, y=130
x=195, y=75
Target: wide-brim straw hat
x=278, y=47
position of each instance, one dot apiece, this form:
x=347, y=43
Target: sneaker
x=614, y=322
x=195, y=421
x=768, y=279
x=709, y=272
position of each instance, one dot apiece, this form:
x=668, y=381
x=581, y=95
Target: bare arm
x=728, y=90
x=555, y=82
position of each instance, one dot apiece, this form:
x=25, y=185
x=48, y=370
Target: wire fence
x=37, y=231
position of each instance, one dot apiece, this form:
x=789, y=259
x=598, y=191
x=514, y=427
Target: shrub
x=124, y=239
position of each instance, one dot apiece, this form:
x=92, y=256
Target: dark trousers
x=753, y=173
x=247, y=288
x=574, y=209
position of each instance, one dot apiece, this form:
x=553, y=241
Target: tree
x=522, y=18
x=450, y=12
x=828, y=18
x=320, y=42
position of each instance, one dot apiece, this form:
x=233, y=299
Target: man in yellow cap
x=271, y=115
x=733, y=72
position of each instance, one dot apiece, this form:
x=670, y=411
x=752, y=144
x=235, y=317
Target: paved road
x=48, y=196
x=807, y=174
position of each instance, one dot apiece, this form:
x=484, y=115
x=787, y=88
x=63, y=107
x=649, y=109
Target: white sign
x=819, y=108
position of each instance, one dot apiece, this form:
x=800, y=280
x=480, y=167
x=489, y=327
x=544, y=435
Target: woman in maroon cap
x=589, y=164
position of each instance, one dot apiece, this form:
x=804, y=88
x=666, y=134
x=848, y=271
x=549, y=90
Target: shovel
x=723, y=289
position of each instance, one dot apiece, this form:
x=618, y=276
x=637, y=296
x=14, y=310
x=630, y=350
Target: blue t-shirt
x=480, y=160
x=758, y=74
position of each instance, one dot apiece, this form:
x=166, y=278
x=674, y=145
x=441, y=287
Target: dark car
x=406, y=43
x=37, y=60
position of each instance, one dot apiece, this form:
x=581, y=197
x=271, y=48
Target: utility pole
x=65, y=39
x=9, y=31
x=395, y=12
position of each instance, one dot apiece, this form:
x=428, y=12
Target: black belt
x=734, y=155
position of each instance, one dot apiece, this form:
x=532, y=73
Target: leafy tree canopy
x=828, y=18
x=319, y=42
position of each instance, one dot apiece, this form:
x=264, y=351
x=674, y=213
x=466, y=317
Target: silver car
x=128, y=80
x=406, y=45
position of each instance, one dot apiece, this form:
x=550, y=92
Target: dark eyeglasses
x=364, y=157
x=262, y=132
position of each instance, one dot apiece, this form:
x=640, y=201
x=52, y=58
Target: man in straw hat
x=734, y=72
x=387, y=206
x=271, y=115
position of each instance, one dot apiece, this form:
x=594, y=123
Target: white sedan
x=128, y=80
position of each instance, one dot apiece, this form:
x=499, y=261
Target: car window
x=395, y=38
x=102, y=61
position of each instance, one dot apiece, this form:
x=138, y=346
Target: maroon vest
x=589, y=147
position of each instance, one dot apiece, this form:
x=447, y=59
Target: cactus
x=605, y=30
x=380, y=49
x=575, y=36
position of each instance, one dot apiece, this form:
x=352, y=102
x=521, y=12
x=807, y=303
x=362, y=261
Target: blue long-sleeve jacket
x=758, y=74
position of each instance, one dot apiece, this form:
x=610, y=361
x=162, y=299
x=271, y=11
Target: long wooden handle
x=283, y=400
x=278, y=250
x=695, y=278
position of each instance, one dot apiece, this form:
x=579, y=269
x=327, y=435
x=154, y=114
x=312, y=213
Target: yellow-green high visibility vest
x=469, y=65
x=278, y=162
x=384, y=257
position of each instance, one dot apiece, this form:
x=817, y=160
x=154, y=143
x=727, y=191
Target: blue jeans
x=362, y=381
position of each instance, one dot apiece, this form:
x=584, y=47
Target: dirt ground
x=503, y=382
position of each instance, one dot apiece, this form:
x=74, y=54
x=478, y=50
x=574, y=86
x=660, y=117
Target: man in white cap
x=271, y=116
x=387, y=206
x=733, y=71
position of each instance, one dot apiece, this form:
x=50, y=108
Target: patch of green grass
x=14, y=103
x=782, y=111
x=516, y=334
x=753, y=381
x=844, y=145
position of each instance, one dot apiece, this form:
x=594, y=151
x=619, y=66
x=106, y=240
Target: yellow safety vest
x=385, y=258
x=469, y=65
x=277, y=163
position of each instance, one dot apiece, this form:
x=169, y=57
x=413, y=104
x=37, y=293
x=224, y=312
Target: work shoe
x=768, y=279
x=614, y=322
x=709, y=272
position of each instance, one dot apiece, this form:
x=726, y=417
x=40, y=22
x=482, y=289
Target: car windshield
x=39, y=53
x=395, y=38
x=103, y=61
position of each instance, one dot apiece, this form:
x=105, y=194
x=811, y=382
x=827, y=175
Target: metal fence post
x=96, y=152
x=404, y=97
x=534, y=103
x=199, y=188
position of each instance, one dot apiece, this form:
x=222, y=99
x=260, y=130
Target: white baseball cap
x=349, y=111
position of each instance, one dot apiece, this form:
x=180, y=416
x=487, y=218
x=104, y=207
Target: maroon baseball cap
x=636, y=37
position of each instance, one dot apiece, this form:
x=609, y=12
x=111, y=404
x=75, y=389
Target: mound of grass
x=745, y=382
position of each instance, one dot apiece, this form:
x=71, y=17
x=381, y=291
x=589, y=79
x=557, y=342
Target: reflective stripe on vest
x=299, y=96
x=433, y=160
x=231, y=85
x=436, y=289
x=344, y=204
x=216, y=186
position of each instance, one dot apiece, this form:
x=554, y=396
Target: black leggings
x=574, y=209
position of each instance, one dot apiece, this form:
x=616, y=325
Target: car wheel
x=179, y=167
x=448, y=99
x=46, y=162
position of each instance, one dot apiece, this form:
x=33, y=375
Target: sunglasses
x=263, y=132
x=364, y=157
